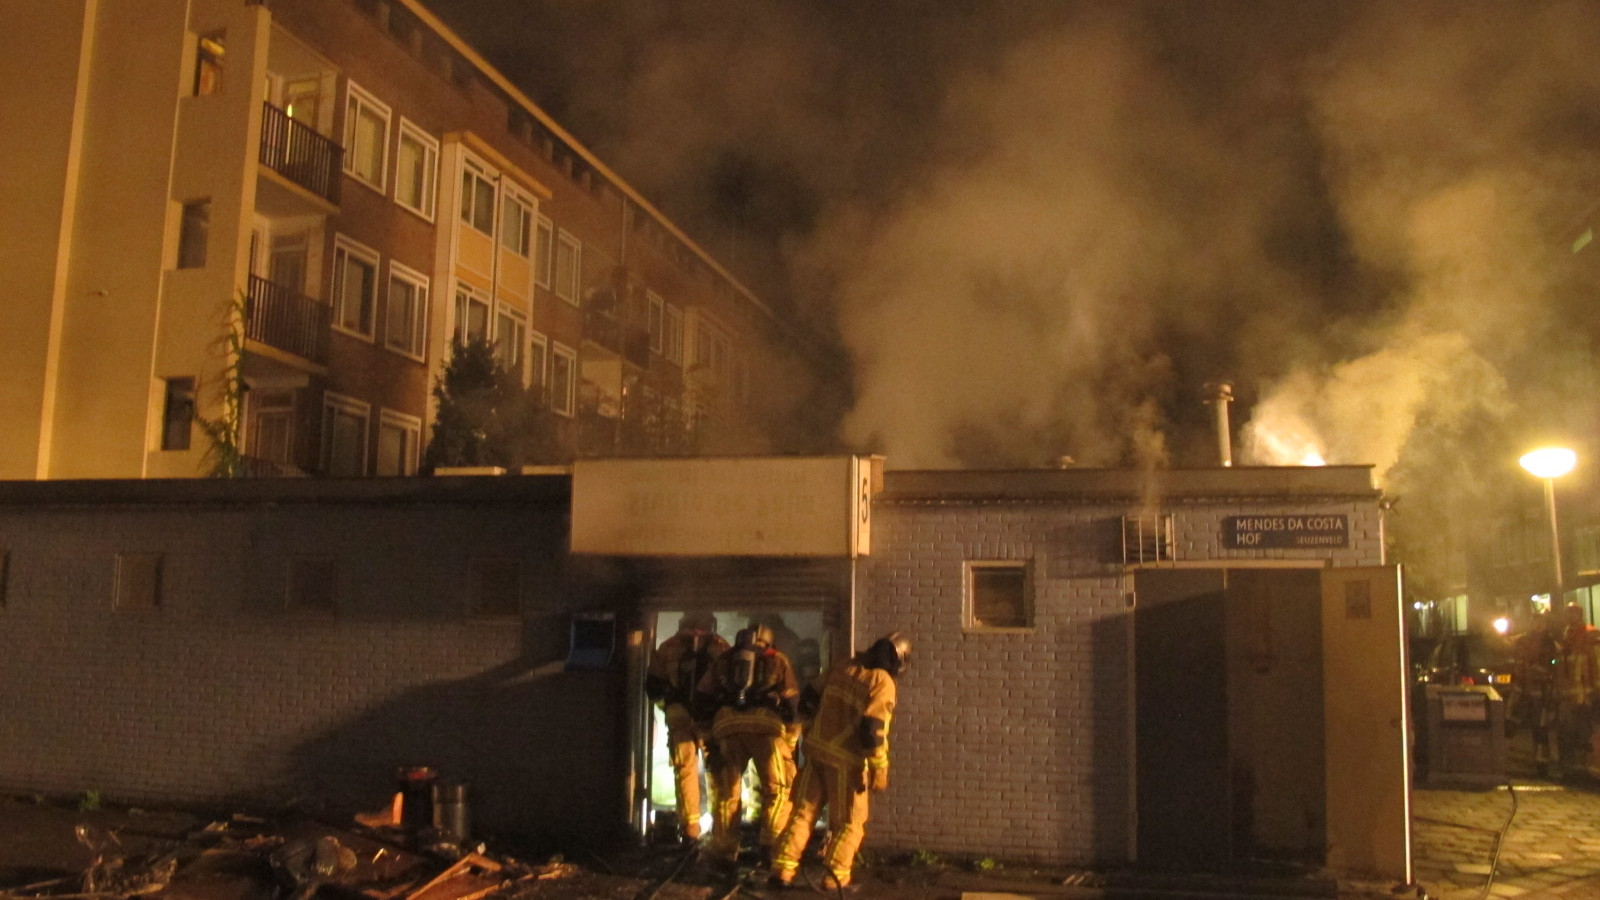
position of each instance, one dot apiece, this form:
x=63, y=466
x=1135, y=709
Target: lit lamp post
x=1550, y=463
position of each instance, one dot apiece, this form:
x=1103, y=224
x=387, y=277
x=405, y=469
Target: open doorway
x=800, y=633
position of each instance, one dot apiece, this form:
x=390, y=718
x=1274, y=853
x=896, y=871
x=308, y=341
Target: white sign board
x=748, y=506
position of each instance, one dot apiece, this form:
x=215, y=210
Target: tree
x=485, y=415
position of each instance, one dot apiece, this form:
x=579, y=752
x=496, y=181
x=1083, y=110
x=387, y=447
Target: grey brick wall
x=1018, y=744
x=224, y=695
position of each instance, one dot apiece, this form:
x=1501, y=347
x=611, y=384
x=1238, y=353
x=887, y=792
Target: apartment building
x=269, y=222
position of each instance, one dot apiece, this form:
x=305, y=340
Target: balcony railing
x=300, y=154
x=283, y=318
x=603, y=329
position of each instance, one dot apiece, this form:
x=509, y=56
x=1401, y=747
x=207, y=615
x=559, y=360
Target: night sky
x=1040, y=228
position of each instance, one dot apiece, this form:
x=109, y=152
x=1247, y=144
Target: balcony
x=300, y=154
x=602, y=329
x=286, y=320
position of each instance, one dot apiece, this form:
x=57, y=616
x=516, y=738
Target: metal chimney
x=1221, y=396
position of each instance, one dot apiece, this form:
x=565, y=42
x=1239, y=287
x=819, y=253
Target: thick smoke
x=1038, y=229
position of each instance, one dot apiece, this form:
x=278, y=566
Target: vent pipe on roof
x=1221, y=396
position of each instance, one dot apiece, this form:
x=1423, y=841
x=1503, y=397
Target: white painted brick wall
x=1017, y=745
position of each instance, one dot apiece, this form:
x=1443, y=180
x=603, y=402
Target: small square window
x=494, y=587
x=313, y=584
x=997, y=595
x=138, y=583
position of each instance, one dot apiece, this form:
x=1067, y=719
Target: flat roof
x=1238, y=482
x=455, y=489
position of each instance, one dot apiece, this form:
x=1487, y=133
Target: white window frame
x=538, y=362
x=566, y=403
x=565, y=284
x=511, y=198
x=344, y=249
x=358, y=99
x=338, y=404
x=657, y=321
x=473, y=171
x=672, y=339
x=411, y=427
x=417, y=315
x=544, y=250
x=465, y=296
x=430, y=169
x=969, y=620
x=508, y=316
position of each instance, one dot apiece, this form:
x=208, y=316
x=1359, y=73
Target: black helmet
x=890, y=653
x=754, y=636
x=698, y=620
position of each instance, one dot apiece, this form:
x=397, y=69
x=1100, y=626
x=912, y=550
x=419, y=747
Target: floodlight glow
x=1502, y=625
x=1549, y=462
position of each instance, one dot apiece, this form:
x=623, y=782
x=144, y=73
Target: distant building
x=349, y=186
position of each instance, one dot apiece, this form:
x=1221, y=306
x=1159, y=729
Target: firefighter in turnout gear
x=846, y=760
x=675, y=669
x=753, y=691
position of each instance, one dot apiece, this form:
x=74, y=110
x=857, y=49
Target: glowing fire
x=1277, y=436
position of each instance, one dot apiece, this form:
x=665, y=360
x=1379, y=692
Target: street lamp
x=1550, y=463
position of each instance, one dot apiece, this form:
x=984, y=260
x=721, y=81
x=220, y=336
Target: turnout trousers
x=684, y=743
x=842, y=792
x=773, y=761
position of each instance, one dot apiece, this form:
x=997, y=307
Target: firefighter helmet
x=890, y=653
x=698, y=620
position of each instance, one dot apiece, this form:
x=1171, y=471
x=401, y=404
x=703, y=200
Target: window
x=399, y=440
x=569, y=257
x=177, y=414
x=538, y=361
x=138, y=582
x=516, y=223
x=494, y=587
x=672, y=339
x=543, y=247
x=405, y=325
x=472, y=316
x=208, y=63
x=366, y=136
x=658, y=322
x=193, y=234
x=563, y=378
x=477, y=198
x=997, y=595
x=510, y=334
x=416, y=166
x=313, y=584
x=355, y=279
x=272, y=437
x=344, y=435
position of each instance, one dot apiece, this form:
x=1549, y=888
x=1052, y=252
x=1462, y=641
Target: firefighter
x=1577, y=685
x=753, y=692
x=675, y=669
x=846, y=760
x=1533, y=689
